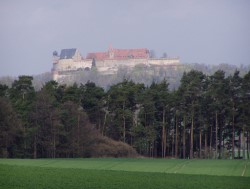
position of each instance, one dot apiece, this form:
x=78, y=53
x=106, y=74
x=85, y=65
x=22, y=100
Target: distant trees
x=245, y=112
x=121, y=104
x=205, y=117
x=139, y=74
x=53, y=122
x=22, y=95
x=92, y=101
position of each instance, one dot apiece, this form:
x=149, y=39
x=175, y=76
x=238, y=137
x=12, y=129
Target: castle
x=70, y=61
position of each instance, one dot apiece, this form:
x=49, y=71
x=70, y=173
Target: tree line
x=205, y=117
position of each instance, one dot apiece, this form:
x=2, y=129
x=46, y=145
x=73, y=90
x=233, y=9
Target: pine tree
x=22, y=96
x=245, y=111
x=235, y=83
x=192, y=84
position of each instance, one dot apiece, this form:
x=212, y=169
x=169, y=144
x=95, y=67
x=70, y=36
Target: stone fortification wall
x=112, y=63
x=63, y=67
x=110, y=66
x=117, y=63
x=163, y=61
x=70, y=64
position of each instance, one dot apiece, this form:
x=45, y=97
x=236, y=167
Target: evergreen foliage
x=206, y=117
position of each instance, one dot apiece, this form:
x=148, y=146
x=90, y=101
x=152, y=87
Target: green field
x=124, y=173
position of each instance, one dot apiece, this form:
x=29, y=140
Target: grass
x=124, y=173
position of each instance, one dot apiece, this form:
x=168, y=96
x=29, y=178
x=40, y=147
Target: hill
x=148, y=74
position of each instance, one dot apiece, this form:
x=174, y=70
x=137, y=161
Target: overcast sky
x=201, y=31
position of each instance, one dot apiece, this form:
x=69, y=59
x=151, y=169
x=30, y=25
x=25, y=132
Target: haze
x=209, y=32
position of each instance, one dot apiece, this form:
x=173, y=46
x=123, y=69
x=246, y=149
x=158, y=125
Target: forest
x=207, y=116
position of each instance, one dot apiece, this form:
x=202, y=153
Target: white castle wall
x=70, y=64
x=74, y=64
x=164, y=61
x=117, y=63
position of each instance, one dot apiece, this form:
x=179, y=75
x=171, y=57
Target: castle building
x=70, y=61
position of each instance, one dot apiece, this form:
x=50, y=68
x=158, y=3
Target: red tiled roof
x=98, y=55
x=119, y=54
